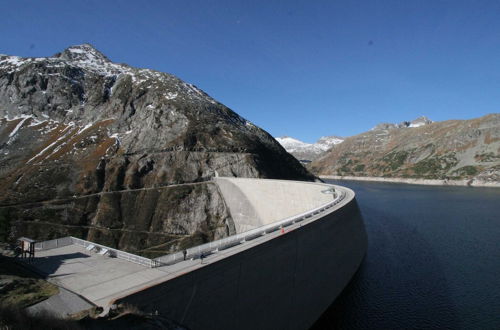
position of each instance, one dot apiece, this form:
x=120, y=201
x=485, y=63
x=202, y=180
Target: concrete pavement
x=62, y=304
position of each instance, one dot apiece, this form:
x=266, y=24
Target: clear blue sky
x=299, y=68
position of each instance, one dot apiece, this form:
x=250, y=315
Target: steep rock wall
x=76, y=124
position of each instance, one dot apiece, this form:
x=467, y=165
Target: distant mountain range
x=308, y=151
x=452, y=149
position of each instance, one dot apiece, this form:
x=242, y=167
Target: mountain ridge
x=447, y=150
x=308, y=151
x=77, y=125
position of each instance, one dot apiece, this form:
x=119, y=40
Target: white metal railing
x=70, y=240
x=197, y=251
x=54, y=243
x=225, y=243
x=117, y=253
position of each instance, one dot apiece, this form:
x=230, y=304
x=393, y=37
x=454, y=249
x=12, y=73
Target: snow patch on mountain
x=308, y=151
x=326, y=142
x=88, y=58
x=418, y=122
x=290, y=144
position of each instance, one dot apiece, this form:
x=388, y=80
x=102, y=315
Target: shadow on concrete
x=49, y=265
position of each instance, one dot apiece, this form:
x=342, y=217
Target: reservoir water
x=433, y=260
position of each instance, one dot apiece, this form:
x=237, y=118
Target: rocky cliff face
x=454, y=149
x=92, y=148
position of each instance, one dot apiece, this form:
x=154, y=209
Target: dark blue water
x=433, y=260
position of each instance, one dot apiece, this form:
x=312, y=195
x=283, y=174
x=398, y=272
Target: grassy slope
x=20, y=287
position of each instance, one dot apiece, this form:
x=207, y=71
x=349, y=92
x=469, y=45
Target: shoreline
x=429, y=182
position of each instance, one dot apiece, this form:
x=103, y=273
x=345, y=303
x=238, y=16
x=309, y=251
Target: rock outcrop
x=120, y=155
x=453, y=149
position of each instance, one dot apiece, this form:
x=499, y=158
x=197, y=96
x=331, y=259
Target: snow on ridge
x=75, y=49
x=12, y=60
x=197, y=93
x=82, y=56
x=86, y=57
x=326, y=142
x=418, y=122
x=293, y=145
x=11, y=63
x=88, y=62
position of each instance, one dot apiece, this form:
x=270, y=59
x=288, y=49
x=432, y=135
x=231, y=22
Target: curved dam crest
x=282, y=280
x=310, y=242
x=255, y=203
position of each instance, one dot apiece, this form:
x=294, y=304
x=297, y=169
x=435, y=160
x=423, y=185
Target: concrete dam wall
x=282, y=280
x=255, y=203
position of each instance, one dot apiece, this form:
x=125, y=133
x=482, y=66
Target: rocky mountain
x=420, y=121
x=308, y=151
x=120, y=155
x=453, y=149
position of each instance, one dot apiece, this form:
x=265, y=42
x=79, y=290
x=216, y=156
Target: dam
x=297, y=245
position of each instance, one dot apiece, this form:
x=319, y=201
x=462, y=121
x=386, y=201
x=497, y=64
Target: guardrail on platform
x=197, y=251
x=54, y=243
x=118, y=253
x=225, y=243
x=70, y=240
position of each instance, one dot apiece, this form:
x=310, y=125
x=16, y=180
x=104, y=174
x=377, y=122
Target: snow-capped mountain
x=420, y=121
x=75, y=126
x=290, y=144
x=308, y=151
x=311, y=151
x=326, y=142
